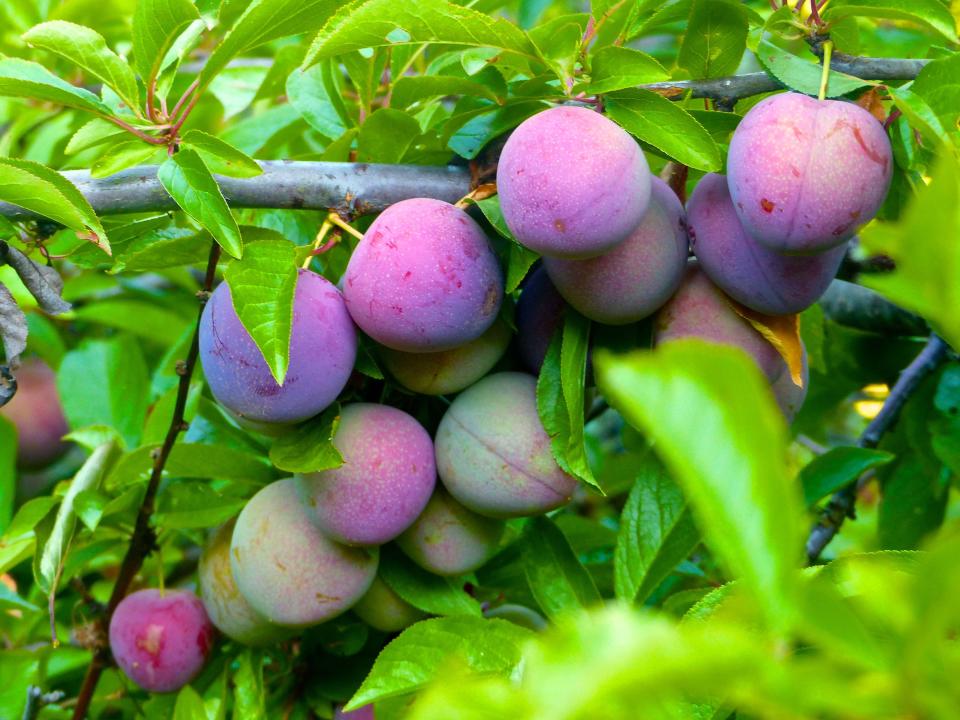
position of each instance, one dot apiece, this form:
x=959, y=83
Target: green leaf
x=804, y=75
x=386, y=136
x=263, y=21
x=105, y=382
x=557, y=579
x=666, y=126
x=712, y=416
x=93, y=133
x=381, y=23
x=191, y=460
x=560, y=391
x=189, y=705
x=421, y=651
x=195, y=505
x=189, y=182
x=88, y=50
x=927, y=275
x=518, y=265
x=249, y=693
x=656, y=533
x=122, y=155
x=313, y=93
x=931, y=13
x=149, y=320
x=162, y=248
x=22, y=78
x=262, y=285
x=309, y=447
x=715, y=39
x=39, y=189
x=470, y=138
x=409, y=89
x=920, y=116
x=836, y=468
x=52, y=555
x=616, y=68
x=431, y=593
x=156, y=25
x=8, y=464
x=939, y=86
x=220, y=156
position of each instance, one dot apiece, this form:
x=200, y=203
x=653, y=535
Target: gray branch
x=861, y=308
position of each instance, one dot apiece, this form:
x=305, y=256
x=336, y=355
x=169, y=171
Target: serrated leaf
x=931, y=13
x=312, y=93
x=411, y=89
x=428, y=592
x=22, y=78
x=656, y=533
x=157, y=249
x=156, y=25
x=91, y=134
x=666, y=126
x=122, y=155
x=309, y=447
x=709, y=411
x=386, y=136
x=87, y=49
x=380, y=23
x=557, y=579
x=715, y=39
x=939, y=86
x=39, y=189
x=262, y=286
x=616, y=68
x=421, y=651
x=189, y=182
x=836, y=468
x=804, y=75
x=220, y=156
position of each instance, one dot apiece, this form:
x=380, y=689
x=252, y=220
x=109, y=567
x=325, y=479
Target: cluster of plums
x=426, y=286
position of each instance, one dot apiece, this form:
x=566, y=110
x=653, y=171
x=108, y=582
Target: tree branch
x=841, y=505
x=861, y=308
x=143, y=540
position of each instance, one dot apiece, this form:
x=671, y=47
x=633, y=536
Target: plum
x=37, y=414
x=766, y=281
x=423, y=278
x=323, y=347
x=381, y=608
x=518, y=615
x=386, y=479
x=572, y=183
x=364, y=713
x=493, y=454
x=161, y=640
x=227, y=609
x=639, y=275
x=290, y=572
x=700, y=309
x=448, y=371
x=804, y=174
x=448, y=539
x=539, y=315
x=790, y=396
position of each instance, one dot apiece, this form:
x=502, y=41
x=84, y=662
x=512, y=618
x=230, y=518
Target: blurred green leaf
x=26, y=79
x=147, y=319
x=191, y=460
x=8, y=464
x=715, y=425
x=931, y=13
x=836, y=468
x=262, y=287
x=939, y=86
x=314, y=95
x=411, y=89
x=249, y=693
x=431, y=593
x=557, y=579
x=195, y=505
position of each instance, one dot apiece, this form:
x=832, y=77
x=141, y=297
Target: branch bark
x=861, y=308
x=143, y=539
x=841, y=505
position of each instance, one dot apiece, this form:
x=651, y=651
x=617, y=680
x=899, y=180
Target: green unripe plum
x=700, y=309
x=227, y=608
x=493, y=453
x=449, y=539
x=289, y=572
x=381, y=608
x=448, y=371
x=518, y=615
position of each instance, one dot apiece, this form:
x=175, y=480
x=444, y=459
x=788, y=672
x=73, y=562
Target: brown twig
x=143, y=540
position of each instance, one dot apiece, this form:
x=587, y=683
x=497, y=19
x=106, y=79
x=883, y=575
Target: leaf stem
x=134, y=131
x=318, y=242
x=825, y=78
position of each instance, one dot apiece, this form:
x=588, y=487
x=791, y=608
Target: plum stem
x=318, y=242
x=825, y=78
x=336, y=220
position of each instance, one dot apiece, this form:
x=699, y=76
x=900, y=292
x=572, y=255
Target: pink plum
x=37, y=414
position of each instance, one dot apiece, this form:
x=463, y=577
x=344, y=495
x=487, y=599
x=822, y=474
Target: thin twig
x=143, y=539
x=183, y=98
x=134, y=131
x=841, y=505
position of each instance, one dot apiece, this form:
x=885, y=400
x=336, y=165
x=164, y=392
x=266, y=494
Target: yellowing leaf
x=783, y=332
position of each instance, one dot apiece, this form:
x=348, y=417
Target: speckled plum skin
x=227, y=609
x=382, y=609
x=161, y=640
x=290, y=572
x=700, y=309
x=493, y=454
x=37, y=414
x=804, y=174
x=790, y=396
x=423, y=278
x=386, y=479
x=364, y=713
x=323, y=347
x=448, y=371
x=639, y=275
x=539, y=314
x=572, y=183
x=766, y=281
x=448, y=539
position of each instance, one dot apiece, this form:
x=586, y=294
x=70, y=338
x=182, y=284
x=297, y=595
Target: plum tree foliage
x=436, y=360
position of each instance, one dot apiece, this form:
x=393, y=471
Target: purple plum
x=538, y=316
x=37, y=415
